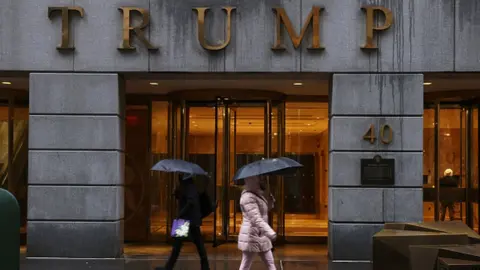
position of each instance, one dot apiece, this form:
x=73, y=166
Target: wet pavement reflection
x=148, y=264
x=225, y=257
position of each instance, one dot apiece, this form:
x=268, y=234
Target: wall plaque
x=378, y=171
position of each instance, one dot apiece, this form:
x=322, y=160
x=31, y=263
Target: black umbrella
x=272, y=166
x=178, y=166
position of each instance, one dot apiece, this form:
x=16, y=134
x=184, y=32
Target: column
x=76, y=166
x=358, y=102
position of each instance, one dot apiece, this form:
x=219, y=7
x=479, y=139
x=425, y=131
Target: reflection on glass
x=451, y=167
x=429, y=163
x=159, y=191
x=306, y=193
x=201, y=150
x=3, y=145
x=249, y=146
x=16, y=182
x=474, y=172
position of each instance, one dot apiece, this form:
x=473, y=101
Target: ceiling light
x=318, y=118
x=297, y=84
x=309, y=124
x=275, y=134
x=427, y=83
x=6, y=83
x=154, y=83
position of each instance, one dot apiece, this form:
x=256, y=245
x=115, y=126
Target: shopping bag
x=180, y=228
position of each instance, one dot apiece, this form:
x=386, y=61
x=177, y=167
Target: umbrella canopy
x=272, y=166
x=178, y=166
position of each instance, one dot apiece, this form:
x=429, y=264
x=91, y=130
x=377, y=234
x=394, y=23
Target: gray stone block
x=254, y=35
x=375, y=204
x=407, y=205
x=78, y=203
x=28, y=39
x=75, y=239
x=59, y=93
x=467, y=19
x=173, y=28
x=76, y=168
x=377, y=94
x=345, y=168
x=421, y=37
x=356, y=204
x=350, y=241
x=347, y=133
x=99, y=34
x=342, y=33
x=76, y=132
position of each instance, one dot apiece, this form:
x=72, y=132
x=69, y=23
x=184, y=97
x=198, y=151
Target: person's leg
x=267, y=258
x=177, y=247
x=451, y=211
x=247, y=259
x=444, y=212
x=198, y=241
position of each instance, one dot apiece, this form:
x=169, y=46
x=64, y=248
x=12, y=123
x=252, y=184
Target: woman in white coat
x=255, y=235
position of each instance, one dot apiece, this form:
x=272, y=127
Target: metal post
x=436, y=167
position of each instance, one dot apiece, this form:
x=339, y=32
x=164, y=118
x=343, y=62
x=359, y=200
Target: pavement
x=304, y=257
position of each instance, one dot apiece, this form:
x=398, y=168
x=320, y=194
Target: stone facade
x=76, y=166
x=357, y=212
x=426, y=36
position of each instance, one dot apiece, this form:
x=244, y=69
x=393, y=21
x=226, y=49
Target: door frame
x=180, y=150
x=466, y=142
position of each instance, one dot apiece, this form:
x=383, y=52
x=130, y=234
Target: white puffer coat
x=255, y=234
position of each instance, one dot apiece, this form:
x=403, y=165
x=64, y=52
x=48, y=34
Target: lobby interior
x=226, y=120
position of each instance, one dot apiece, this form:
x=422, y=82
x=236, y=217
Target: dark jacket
x=188, y=203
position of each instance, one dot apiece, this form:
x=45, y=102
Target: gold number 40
x=386, y=134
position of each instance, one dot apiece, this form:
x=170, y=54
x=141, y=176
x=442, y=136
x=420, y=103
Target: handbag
x=180, y=228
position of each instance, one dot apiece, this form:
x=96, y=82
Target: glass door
x=221, y=137
x=451, y=154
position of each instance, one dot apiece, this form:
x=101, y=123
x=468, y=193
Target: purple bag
x=180, y=228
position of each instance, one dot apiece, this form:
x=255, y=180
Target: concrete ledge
x=69, y=93
x=76, y=132
x=351, y=241
x=75, y=239
x=379, y=94
x=78, y=203
x=78, y=168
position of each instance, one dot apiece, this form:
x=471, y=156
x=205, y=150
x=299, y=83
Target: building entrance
x=221, y=137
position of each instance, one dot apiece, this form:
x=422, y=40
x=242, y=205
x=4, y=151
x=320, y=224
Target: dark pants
x=451, y=210
x=196, y=237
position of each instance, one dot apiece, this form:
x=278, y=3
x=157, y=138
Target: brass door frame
x=466, y=141
x=178, y=148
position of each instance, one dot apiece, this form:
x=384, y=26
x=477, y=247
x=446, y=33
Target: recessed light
x=297, y=84
x=6, y=83
x=154, y=83
x=427, y=83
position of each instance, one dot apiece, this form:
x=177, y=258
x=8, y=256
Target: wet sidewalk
x=304, y=257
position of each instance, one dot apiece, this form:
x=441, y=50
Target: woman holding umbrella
x=255, y=235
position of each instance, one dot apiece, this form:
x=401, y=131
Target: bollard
x=9, y=231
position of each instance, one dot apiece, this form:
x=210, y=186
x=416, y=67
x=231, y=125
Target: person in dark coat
x=189, y=209
x=448, y=181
